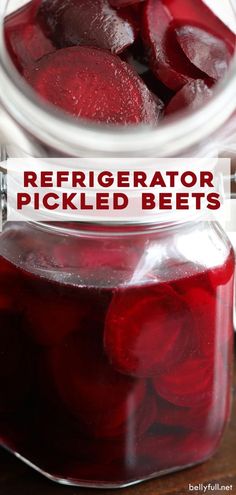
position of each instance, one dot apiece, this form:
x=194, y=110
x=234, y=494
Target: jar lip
x=71, y=137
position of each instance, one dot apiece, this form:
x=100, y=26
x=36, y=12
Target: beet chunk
x=88, y=22
x=189, y=384
x=207, y=52
x=145, y=330
x=167, y=60
x=191, y=96
x=25, y=40
x=94, y=84
x=192, y=12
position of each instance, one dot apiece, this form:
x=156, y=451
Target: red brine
x=111, y=385
x=124, y=62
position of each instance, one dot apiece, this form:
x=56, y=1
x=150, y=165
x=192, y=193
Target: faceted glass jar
x=116, y=347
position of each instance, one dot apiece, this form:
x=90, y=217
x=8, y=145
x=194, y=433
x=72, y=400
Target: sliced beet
x=94, y=84
x=25, y=40
x=192, y=12
x=145, y=330
x=207, y=52
x=99, y=397
x=192, y=96
x=167, y=60
x=189, y=384
x=88, y=22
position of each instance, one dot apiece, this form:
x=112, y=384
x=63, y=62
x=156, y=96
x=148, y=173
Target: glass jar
x=116, y=348
x=31, y=127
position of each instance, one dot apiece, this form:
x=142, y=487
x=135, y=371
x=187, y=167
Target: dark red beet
x=192, y=12
x=168, y=61
x=144, y=332
x=191, y=96
x=94, y=84
x=207, y=52
x=25, y=40
x=92, y=391
x=189, y=384
x=88, y=22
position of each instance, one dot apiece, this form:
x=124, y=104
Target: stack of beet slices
x=120, y=61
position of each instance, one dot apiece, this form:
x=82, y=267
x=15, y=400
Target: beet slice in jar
x=145, y=330
x=163, y=23
x=204, y=50
x=94, y=84
x=197, y=13
x=167, y=60
x=88, y=22
x=25, y=40
x=189, y=384
x=191, y=96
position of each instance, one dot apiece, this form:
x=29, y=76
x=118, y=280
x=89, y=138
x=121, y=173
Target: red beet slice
x=192, y=96
x=145, y=332
x=92, y=391
x=94, y=84
x=189, y=384
x=25, y=40
x=207, y=52
x=192, y=12
x=168, y=61
x=88, y=22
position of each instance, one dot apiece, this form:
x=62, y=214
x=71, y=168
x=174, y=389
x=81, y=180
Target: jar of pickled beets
x=115, y=341
x=115, y=348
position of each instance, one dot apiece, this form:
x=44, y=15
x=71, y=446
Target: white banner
x=142, y=190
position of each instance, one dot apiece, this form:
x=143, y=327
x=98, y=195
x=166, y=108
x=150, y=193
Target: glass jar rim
x=71, y=137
